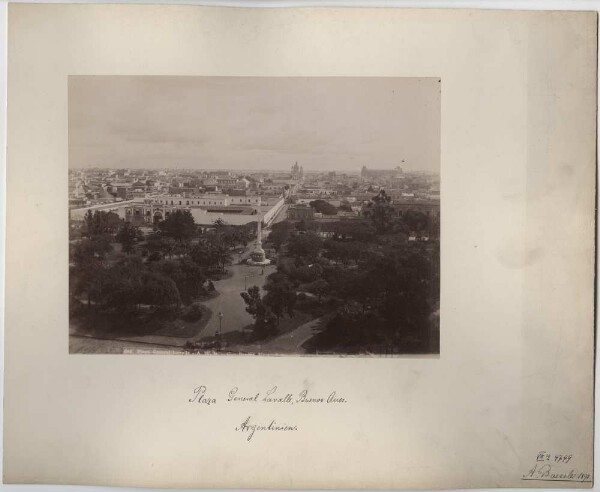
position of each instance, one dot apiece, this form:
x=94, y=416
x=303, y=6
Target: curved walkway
x=230, y=303
x=288, y=343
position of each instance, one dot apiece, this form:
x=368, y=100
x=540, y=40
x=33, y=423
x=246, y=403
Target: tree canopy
x=264, y=319
x=280, y=233
x=211, y=253
x=128, y=235
x=179, y=225
x=187, y=275
x=381, y=212
x=280, y=296
x=100, y=222
x=305, y=245
x=323, y=207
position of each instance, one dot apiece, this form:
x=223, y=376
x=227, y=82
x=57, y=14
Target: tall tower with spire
x=295, y=171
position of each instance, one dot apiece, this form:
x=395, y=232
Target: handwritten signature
x=552, y=467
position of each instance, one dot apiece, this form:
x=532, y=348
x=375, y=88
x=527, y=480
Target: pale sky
x=324, y=123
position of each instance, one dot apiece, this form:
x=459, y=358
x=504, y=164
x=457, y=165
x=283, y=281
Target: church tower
x=295, y=171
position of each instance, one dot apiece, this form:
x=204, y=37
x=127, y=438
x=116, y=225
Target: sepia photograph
x=254, y=215
x=239, y=277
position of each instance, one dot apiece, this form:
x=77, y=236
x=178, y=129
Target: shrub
x=192, y=313
x=154, y=256
x=76, y=308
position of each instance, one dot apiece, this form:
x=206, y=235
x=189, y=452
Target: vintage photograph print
x=254, y=215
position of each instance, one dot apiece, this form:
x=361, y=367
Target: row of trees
x=167, y=269
x=176, y=235
x=382, y=288
x=326, y=208
x=109, y=227
x=212, y=249
x=125, y=285
x=100, y=222
x=385, y=220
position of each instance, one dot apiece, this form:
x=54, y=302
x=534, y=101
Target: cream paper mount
x=507, y=398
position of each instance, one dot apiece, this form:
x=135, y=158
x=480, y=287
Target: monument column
x=259, y=231
x=258, y=256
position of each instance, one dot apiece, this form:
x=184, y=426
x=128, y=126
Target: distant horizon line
x=246, y=171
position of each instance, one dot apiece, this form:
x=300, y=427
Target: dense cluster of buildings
x=145, y=197
x=407, y=191
x=98, y=186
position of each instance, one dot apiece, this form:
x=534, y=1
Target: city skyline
x=283, y=170
x=254, y=124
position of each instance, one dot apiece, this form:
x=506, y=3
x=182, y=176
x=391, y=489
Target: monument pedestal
x=258, y=257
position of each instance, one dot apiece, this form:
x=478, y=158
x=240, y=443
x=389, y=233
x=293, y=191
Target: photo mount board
x=513, y=385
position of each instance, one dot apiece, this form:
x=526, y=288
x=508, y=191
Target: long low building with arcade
x=206, y=208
